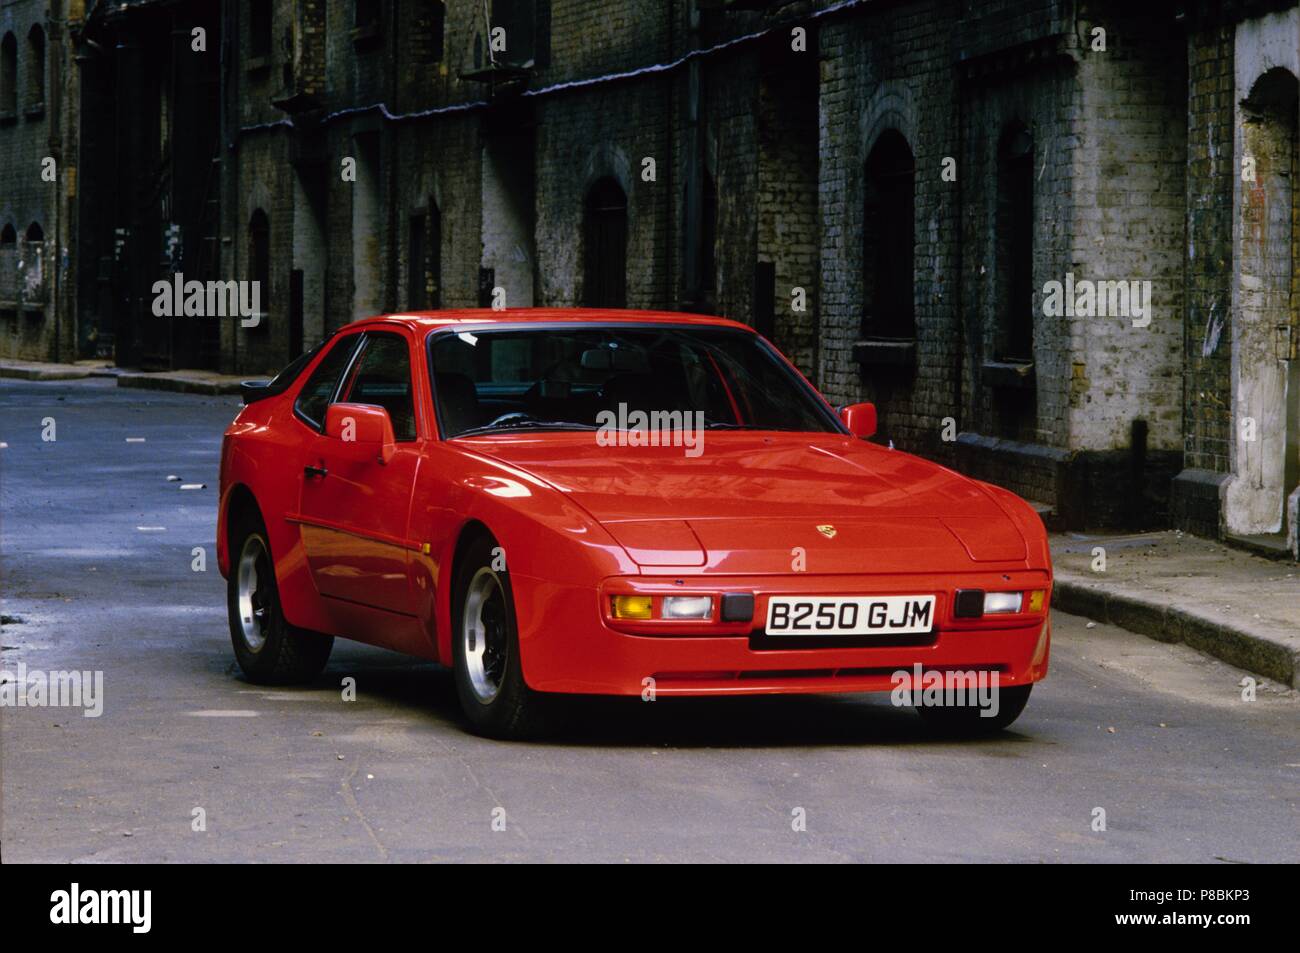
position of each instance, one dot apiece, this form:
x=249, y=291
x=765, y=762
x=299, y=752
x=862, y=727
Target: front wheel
x=485, y=650
x=269, y=650
x=972, y=720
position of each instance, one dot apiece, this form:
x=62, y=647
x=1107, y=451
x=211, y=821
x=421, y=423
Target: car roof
x=431, y=320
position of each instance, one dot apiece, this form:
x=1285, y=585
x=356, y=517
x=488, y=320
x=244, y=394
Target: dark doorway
x=889, y=240
x=605, y=246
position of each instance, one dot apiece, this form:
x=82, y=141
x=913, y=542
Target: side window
x=324, y=381
x=383, y=377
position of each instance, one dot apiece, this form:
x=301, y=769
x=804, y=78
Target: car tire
x=270, y=650
x=486, y=664
x=967, y=720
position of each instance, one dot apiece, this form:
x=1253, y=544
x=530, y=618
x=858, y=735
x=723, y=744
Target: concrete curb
x=44, y=373
x=1238, y=645
x=182, y=385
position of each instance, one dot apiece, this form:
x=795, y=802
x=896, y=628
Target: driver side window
x=324, y=381
x=382, y=376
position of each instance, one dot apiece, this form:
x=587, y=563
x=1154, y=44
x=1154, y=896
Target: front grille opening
x=829, y=674
x=760, y=641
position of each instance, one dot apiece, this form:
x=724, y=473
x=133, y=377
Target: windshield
x=575, y=378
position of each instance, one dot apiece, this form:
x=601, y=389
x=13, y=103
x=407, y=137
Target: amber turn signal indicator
x=631, y=607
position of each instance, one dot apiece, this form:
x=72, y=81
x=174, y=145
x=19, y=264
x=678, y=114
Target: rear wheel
x=970, y=720
x=485, y=651
x=269, y=650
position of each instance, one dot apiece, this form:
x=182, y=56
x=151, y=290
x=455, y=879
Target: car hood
x=749, y=498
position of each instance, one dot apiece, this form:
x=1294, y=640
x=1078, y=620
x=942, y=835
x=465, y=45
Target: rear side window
x=382, y=376
x=319, y=390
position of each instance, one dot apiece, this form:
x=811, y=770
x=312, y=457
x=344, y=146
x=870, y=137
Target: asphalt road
x=1156, y=735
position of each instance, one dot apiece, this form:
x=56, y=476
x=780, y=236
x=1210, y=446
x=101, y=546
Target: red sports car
x=613, y=502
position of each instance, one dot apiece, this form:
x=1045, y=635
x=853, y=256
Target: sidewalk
x=43, y=371
x=1238, y=607
x=183, y=381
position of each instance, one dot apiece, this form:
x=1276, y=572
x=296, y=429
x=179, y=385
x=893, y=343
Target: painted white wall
x=1254, y=500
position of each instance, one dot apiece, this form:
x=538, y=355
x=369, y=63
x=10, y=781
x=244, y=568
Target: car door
x=354, y=513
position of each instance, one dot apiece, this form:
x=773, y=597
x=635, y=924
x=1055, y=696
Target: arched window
x=605, y=246
x=889, y=240
x=8, y=75
x=8, y=235
x=1015, y=245
x=259, y=257
x=36, y=67
x=35, y=233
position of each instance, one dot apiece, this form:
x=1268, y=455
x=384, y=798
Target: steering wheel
x=507, y=417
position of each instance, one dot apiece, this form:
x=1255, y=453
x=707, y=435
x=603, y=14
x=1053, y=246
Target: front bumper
x=567, y=646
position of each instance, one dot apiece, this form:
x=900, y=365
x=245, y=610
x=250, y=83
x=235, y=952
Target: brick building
x=36, y=319
x=1054, y=240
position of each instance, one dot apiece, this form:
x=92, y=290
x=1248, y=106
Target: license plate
x=850, y=615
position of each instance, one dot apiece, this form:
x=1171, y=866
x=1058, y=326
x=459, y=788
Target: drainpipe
x=388, y=163
x=226, y=151
x=670, y=104
x=692, y=212
x=54, y=96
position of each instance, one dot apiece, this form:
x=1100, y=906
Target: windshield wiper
x=524, y=425
x=725, y=425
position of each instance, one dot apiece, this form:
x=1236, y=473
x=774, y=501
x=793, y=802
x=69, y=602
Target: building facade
x=36, y=134
x=1055, y=241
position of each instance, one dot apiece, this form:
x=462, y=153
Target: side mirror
x=365, y=428
x=860, y=419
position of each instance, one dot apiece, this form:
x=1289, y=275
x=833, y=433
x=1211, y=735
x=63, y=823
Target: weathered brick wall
x=1128, y=225
x=584, y=136
x=891, y=69
x=1047, y=102
x=1207, y=413
x=266, y=183
x=440, y=164
x=787, y=202
x=606, y=129
x=26, y=333
x=353, y=249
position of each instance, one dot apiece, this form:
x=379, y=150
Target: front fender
x=544, y=536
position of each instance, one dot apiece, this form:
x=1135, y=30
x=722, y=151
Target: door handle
x=314, y=471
